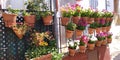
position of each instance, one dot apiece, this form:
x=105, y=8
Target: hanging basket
x=108, y=28
x=72, y=52
x=109, y=40
x=104, y=29
x=47, y=20
x=91, y=46
x=82, y=49
x=78, y=32
x=91, y=20
x=30, y=20
x=98, y=30
x=9, y=19
x=98, y=43
x=64, y=20
x=44, y=57
x=104, y=42
x=108, y=19
x=85, y=19
x=97, y=20
x=91, y=30
x=69, y=34
x=75, y=19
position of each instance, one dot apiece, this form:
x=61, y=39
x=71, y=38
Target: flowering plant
x=108, y=14
x=66, y=11
x=81, y=25
x=92, y=39
x=93, y=25
x=76, y=10
x=101, y=36
x=109, y=35
x=83, y=40
x=85, y=12
x=72, y=45
x=97, y=14
x=71, y=26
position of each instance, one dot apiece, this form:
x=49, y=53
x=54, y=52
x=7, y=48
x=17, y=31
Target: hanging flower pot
x=98, y=30
x=76, y=19
x=82, y=49
x=79, y=32
x=108, y=28
x=69, y=34
x=97, y=20
x=91, y=20
x=64, y=20
x=85, y=19
x=91, y=46
x=9, y=19
x=107, y=19
x=47, y=20
x=109, y=40
x=98, y=43
x=72, y=52
x=91, y=30
x=103, y=29
x=30, y=20
x=104, y=42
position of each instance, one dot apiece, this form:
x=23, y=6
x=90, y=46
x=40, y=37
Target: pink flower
x=84, y=39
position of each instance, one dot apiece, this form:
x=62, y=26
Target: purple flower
x=84, y=39
x=102, y=21
x=82, y=23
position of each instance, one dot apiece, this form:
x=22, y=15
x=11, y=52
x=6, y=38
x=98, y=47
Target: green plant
x=46, y=13
x=85, y=12
x=108, y=14
x=93, y=25
x=81, y=43
x=81, y=27
x=71, y=26
x=13, y=11
x=73, y=45
x=57, y=56
x=24, y=13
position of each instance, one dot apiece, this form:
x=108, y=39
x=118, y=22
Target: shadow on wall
x=117, y=57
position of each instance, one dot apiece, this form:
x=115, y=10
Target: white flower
x=93, y=38
x=71, y=43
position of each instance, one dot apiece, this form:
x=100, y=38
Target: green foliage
x=108, y=14
x=74, y=46
x=77, y=12
x=66, y=14
x=13, y=11
x=46, y=13
x=25, y=13
x=81, y=27
x=57, y=56
x=93, y=25
x=91, y=42
x=85, y=13
x=71, y=26
x=101, y=38
x=81, y=43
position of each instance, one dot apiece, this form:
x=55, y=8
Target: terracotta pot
x=69, y=34
x=79, y=32
x=47, y=20
x=109, y=40
x=76, y=19
x=9, y=19
x=98, y=30
x=82, y=49
x=104, y=29
x=91, y=30
x=72, y=52
x=104, y=42
x=30, y=20
x=91, y=46
x=91, y=20
x=107, y=19
x=98, y=43
x=85, y=19
x=111, y=19
x=64, y=20
x=97, y=20
x=18, y=32
x=108, y=28
x=44, y=57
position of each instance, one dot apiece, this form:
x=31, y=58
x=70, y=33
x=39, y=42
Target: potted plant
x=97, y=16
x=66, y=13
x=76, y=14
x=109, y=37
x=91, y=42
x=41, y=49
x=57, y=56
x=108, y=26
x=91, y=17
x=80, y=28
x=20, y=29
x=108, y=16
x=100, y=37
x=72, y=48
x=10, y=17
x=69, y=29
x=92, y=28
x=105, y=38
x=29, y=19
x=98, y=27
x=83, y=43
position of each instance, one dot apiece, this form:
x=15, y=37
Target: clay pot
x=98, y=30
x=9, y=19
x=30, y=20
x=47, y=20
x=98, y=43
x=44, y=57
x=108, y=28
x=111, y=19
x=104, y=42
x=72, y=52
x=69, y=34
x=64, y=20
x=76, y=19
x=91, y=46
x=91, y=20
x=107, y=19
x=91, y=30
x=79, y=32
x=82, y=49
x=97, y=20
x=103, y=29
x=85, y=19
x=109, y=40
x=18, y=32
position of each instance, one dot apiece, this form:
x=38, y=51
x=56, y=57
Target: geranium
x=72, y=45
x=83, y=40
x=109, y=35
x=101, y=36
x=85, y=12
x=81, y=25
x=76, y=10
